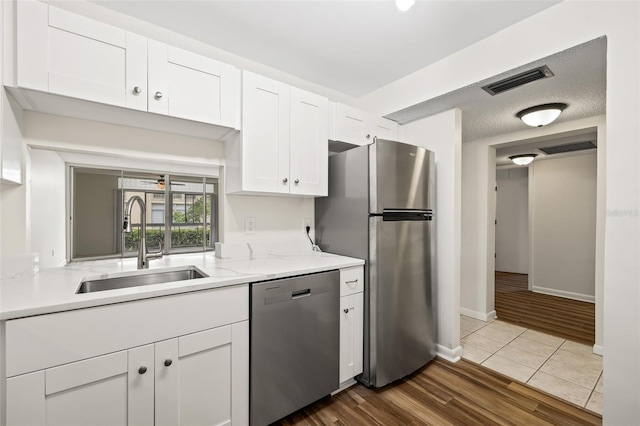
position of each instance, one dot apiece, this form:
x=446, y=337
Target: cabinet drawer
x=45, y=341
x=351, y=281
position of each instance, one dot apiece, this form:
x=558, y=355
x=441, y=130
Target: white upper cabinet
x=264, y=141
x=352, y=125
x=186, y=85
x=282, y=148
x=357, y=127
x=67, y=54
x=11, y=145
x=383, y=128
x=309, y=156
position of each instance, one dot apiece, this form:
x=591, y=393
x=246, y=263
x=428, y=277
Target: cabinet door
x=265, y=134
x=186, y=85
x=309, y=154
x=68, y=54
x=196, y=380
x=351, y=334
x=352, y=125
x=96, y=391
x=384, y=128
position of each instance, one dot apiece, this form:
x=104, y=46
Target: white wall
x=47, y=208
x=478, y=231
x=277, y=218
x=573, y=23
x=563, y=225
x=512, y=216
x=441, y=134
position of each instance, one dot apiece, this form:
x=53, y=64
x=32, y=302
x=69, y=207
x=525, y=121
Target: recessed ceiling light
x=404, y=5
x=523, y=159
x=541, y=115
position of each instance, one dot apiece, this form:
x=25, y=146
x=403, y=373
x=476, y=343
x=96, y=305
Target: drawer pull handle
x=167, y=362
x=301, y=293
x=354, y=282
x=137, y=90
x=142, y=370
x=158, y=96
x=345, y=310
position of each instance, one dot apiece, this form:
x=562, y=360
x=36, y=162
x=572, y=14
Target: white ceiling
x=353, y=46
x=579, y=81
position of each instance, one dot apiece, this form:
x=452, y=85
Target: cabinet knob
x=137, y=90
x=158, y=95
x=167, y=362
x=345, y=310
x=285, y=180
x=368, y=136
x=297, y=181
x=142, y=370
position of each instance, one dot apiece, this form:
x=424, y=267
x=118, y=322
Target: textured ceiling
x=533, y=146
x=579, y=81
x=353, y=47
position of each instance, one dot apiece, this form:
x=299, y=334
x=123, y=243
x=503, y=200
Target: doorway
x=545, y=234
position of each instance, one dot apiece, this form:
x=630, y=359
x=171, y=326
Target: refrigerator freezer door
x=401, y=304
x=401, y=175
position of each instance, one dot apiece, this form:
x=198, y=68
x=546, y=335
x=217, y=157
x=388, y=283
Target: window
x=187, y=223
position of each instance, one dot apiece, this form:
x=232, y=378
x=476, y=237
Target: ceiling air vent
x=518, y=80
x=560, y=149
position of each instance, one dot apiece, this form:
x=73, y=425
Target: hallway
x=566, y=318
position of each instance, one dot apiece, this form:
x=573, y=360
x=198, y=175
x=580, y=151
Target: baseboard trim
x=478, y=315
x=565, y=294
x=344, y=385
x=451, y=355
x=598, y=350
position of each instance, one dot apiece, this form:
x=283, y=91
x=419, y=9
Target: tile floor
x=560, y=367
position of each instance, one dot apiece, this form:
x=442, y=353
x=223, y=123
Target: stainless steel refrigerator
x=381, y=208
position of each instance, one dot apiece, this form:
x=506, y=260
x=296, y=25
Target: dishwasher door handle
x=300, y=293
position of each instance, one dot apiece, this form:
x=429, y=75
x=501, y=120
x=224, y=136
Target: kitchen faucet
x=143, y=255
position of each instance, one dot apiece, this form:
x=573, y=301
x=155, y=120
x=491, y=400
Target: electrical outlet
x=306, y=222
x=249, y=225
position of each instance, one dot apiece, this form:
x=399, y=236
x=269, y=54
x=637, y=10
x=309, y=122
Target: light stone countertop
x=53, y=289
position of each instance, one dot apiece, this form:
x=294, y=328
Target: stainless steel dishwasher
x=295, y=337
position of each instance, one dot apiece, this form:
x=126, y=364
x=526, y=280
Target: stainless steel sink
x=114, y=283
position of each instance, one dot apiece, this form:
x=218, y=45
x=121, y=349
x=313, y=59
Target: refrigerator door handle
x=404, y=215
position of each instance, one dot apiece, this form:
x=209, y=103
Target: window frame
x=212, y=219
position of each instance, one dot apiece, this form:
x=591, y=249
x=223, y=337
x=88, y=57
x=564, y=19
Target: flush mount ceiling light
x=404, y=5
x=541, y=115
x=523, y=159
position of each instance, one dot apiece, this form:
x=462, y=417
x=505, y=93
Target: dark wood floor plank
x=443, y=393
x=566, y=318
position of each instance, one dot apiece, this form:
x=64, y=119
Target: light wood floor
x=566, y=318
x=443, y=394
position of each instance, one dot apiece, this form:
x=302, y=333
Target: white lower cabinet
x=351, y=322
x=187, y=380
x=196, y=378
x=351, y=327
